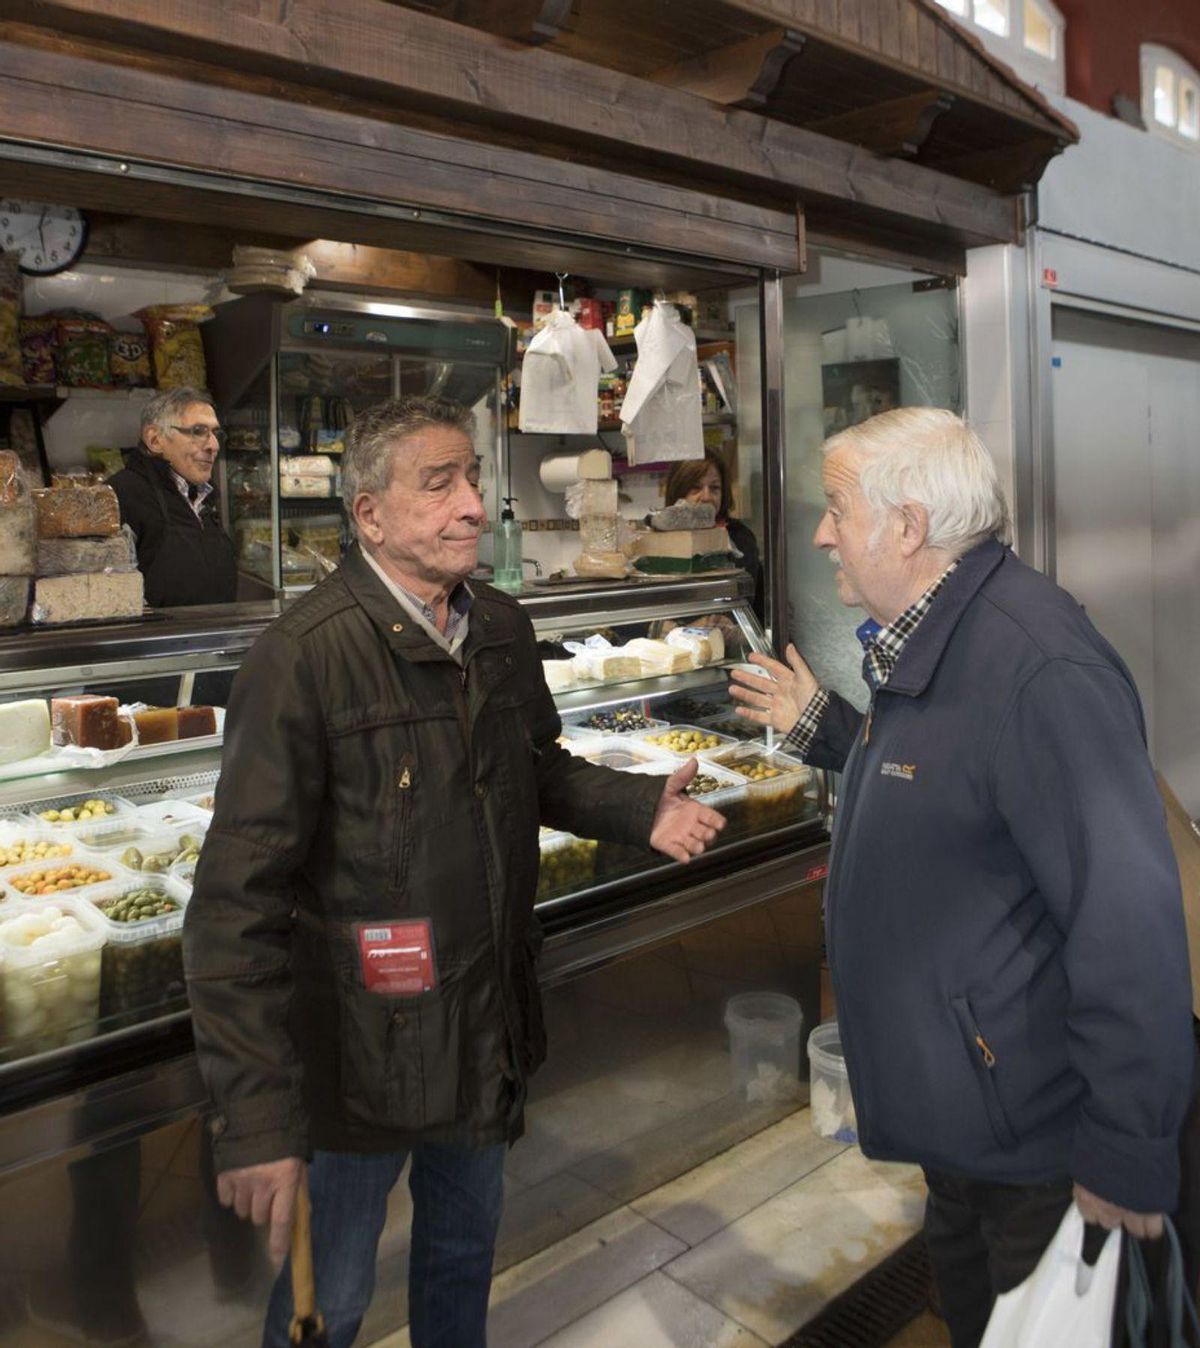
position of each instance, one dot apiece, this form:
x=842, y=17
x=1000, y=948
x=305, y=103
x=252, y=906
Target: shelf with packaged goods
x=56, y=393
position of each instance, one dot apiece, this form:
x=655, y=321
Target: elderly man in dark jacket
x=1003, y=910
x=361, y=943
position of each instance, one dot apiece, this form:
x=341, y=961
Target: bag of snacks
x=129, y=357
x=38, y=342
x=11, y=374
x=174, y=333
x=83, y=352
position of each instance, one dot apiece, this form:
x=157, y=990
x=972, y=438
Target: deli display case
x=96, y=859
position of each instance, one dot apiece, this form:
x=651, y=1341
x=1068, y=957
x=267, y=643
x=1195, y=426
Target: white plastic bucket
x=764, y=1043
x=830, y=1102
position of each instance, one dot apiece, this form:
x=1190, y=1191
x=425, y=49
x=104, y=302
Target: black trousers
x=984, y=1239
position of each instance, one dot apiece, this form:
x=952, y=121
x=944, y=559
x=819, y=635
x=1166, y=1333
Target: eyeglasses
x=200, y=433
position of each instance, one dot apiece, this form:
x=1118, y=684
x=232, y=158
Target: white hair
x=929, y=457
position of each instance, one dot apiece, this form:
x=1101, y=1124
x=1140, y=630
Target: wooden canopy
x=497, y=129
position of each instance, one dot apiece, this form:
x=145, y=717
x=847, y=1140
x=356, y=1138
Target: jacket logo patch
x=907, y=772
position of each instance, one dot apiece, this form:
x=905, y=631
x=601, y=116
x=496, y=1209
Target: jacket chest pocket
x=401, y=833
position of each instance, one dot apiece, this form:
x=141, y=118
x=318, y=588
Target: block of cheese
x=24, y=730
x=605, y=565
x=14, y=600
x=684, y=515
x=294, y=485
x=77, y=512
x=560, y=674
x=156, y=725
x=78, y=556
x=596, y=496
x=18, y=538
x=68, y=599
x=307, y=465
x=195, y=721
x=705, y=645
x=659, y=657
x=683, y=542
x=594, y=465
x=87, y=720
x=610, y=666
x=12, y=488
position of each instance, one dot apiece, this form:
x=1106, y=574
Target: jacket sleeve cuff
x=1138, y=1173
x=252, y=1132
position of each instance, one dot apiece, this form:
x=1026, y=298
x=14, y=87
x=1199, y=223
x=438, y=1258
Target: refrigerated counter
x=95, y=1039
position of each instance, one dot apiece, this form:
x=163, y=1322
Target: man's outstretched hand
x=683, y=827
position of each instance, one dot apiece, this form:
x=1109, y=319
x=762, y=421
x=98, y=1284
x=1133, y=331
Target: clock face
x=44, y=237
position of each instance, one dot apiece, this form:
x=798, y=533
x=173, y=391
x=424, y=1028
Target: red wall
x=1104, y=37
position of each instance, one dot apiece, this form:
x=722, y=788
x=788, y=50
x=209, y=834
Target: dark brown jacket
x=367, y=777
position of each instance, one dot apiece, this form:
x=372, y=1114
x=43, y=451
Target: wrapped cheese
x=659, y=657
x=705, y=645
x=18, y=539
x=604, y=565
x=685, y=515
x=306, y=484
x=14, y=600
x=560, y=674
x=77, y=512
x=65, y=599
x=307, y=465
x=24, y=730
x=78, y=556
x=610, y=666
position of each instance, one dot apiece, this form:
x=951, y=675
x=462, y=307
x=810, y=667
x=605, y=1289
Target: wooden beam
x=425, y=64
x=745, y=73
x=249, y=136
x=898, y=127
x=1009, y=168
x=532, y=21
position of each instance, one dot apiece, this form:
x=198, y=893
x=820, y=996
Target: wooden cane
x=307, y=1329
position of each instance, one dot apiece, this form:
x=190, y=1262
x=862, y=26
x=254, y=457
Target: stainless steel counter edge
x=138, y=1101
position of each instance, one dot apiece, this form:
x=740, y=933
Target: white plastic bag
x=661, y=414
x=1063, y=1301
x=560, y=378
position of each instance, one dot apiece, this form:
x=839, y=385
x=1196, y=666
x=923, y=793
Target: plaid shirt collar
x=882, y=645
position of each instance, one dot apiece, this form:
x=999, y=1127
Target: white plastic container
x=19, y=838
x=143, y=960
x=830, y=1102
x=77, y=828
x=764, y=1044
x=174, y=813
x=51, y=996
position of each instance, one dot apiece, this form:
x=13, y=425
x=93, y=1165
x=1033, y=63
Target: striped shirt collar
x=882, y=645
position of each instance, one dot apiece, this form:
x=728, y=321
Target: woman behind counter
x=706, y=482
x=164, y=492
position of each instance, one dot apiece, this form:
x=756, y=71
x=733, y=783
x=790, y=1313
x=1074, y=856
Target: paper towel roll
x=558, y=471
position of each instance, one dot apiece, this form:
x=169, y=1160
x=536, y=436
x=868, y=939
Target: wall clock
x=46, y=238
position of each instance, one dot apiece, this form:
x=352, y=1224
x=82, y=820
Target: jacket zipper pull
x=405, y=780
x=870, y=718
x=989, y=1058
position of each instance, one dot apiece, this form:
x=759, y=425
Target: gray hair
x=928, y=456
x=373, y=436
x=166, y=407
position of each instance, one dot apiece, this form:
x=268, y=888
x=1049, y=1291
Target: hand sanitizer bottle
x=506, y=564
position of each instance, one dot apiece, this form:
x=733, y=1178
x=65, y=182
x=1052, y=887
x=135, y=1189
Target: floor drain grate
x=877, y=1307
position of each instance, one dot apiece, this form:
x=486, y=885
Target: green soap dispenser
x=507, y=573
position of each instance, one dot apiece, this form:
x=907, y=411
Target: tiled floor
x=741, y=1251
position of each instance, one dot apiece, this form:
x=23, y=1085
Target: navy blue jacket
x=1003, y=911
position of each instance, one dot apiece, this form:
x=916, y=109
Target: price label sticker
x=397, y=958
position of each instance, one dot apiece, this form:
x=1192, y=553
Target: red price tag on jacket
x=397, y=957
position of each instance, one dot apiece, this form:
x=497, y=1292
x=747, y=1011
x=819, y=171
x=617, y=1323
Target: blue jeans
x=457, y=1195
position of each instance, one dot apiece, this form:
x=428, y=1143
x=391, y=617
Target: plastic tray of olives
x=567, y=863
x=156, y=851
x=78, y=814
x=776, y=782
x=142, y=964
x=627, y=720
x=58, y=876
x=688, y=741
x=722, y=790
x=23, y=843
